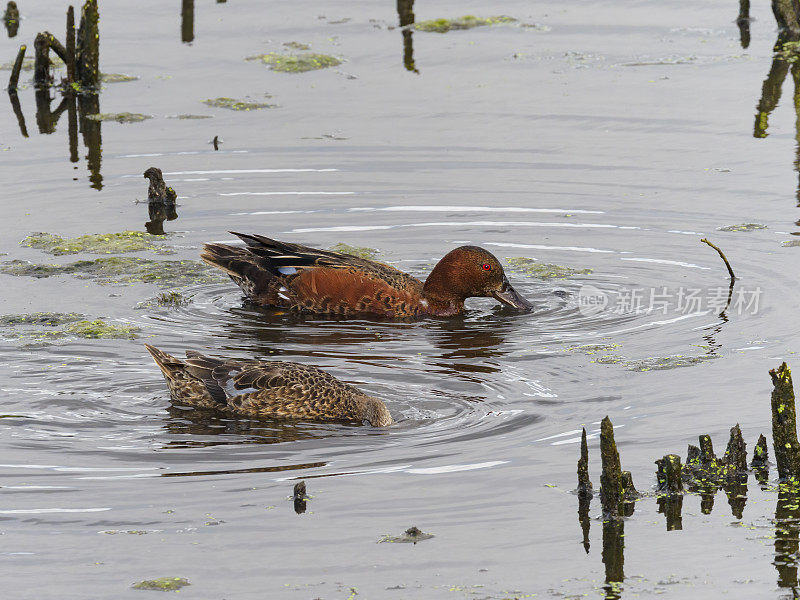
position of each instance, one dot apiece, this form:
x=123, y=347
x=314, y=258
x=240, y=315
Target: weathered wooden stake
x=787, y=16
x=760, y=454
x=87, y=65
x=784, y=424
x=668, y=474
x=299, y=497
x=735, y=458
x=611, y=476
x=584, y=484
x=70, y=60
x=14, y=79
x=42, y=76
x=11, y=18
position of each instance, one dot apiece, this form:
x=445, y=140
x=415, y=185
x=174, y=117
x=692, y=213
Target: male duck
x=284, y=275
x=271, y=389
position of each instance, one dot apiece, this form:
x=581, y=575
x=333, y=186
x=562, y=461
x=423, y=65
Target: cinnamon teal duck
x=284, y=275
x=266, y=389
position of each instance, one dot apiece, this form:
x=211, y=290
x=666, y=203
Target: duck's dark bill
x=508, y=295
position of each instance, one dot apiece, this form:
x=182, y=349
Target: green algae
x=592, y=348
x=38, y=319
x=116, y=78
x=187, y=117
x=742, y=227
x=162, y=584
x=29, y=63
x=170, y=299
x=297, y=63
x=412, y=535
x=360, y=252
x=233, y=104
x=99, y=329
x=102, y=243
x=533, y=268
x=123, y=117
x=297, y=46
x=465, y=22
x=791, y=244
x=655, y=363
x=116, y=270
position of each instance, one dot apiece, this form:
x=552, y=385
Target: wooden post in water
x=611, y=476
x=42, y=76
x=70, y=60
x=784, y=424
x=11, y=19
x=584, y=484
x=87, y=60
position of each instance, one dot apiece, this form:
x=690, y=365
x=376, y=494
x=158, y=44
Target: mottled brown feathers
x=270, y=389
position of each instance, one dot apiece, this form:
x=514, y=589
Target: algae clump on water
x=534, y=268
x=162, y=584
x=465, y=22
x=360, y=252
x=297, y=63
x=105, y=243
x=233, y=104
x=123, y=117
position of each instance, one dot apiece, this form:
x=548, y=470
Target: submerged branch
x=722, y=255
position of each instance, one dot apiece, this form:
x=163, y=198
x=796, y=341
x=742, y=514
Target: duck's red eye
x=487, y=267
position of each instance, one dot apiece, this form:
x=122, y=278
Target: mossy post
x=187, y=21
x=787, y=16
x=707, y=456
x=743, y=22
x=584, y=484
x=611, y=476
x=299, y=497
x=14, y=79
x=70, y=60
x=11, y=18
x=784, y=424
x=735, y=458
x=760, y=454
x=668, y=474
x=87, y=55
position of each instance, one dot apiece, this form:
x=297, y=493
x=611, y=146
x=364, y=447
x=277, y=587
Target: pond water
x=605, y=137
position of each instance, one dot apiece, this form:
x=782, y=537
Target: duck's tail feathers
x=249, y=272
x=168, y=364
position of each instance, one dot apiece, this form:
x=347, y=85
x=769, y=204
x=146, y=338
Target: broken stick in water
x=722, y=255
x=14, y=79
x=611, y=477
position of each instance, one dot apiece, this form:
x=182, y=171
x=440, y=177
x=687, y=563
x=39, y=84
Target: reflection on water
x=783, y=61
x=405, y=10
x=787, y=532
x=187, y=21
x=614, y=557
x=78, y=107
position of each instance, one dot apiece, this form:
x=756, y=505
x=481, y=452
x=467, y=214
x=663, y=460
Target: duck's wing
x=277, y=389
x=285, y=258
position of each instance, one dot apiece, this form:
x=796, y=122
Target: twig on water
x=722, y=255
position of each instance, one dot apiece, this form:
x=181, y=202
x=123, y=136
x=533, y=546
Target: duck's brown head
x=467, y=272
x=375, y=411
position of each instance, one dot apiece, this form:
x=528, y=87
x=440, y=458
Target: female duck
x=272, y=389
x=284, y=275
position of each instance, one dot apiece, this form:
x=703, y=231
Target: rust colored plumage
x=266, y=389
x=300, y=278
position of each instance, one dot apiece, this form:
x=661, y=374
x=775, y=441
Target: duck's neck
x=439, y=295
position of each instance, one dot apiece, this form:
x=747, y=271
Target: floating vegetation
x=412, y=535
x=123, y=117
x=791, y=244
x=117, y=270
x=170, y=299
x=38, y=319
x=116, y=77
x=789, y=52
x=187, y=117
x=465, y=22
x=655, y=363
x=297, y=63
x=100, y=243
x=592, y=348
x=44, y=326
x=742, y=227
x=368, y=253
x=99, y=329
x=534, y=268
x=162, y=584
x=28, y=64
x=297, y=46
x=233, y=104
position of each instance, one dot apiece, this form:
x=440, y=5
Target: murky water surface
x=604, y=137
